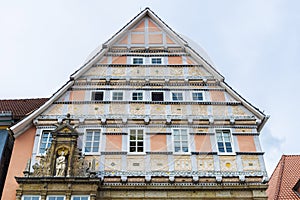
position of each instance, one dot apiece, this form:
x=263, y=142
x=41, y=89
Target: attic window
x=97, y=96
x=157, y=96
x=156, y=61
x=137, y=61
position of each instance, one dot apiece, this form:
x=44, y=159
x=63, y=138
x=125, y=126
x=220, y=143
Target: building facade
x=147, y=116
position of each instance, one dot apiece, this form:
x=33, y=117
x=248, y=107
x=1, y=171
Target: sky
x=254, y=44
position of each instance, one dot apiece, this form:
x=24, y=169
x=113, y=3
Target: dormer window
x=137, y=61
x=156, y=61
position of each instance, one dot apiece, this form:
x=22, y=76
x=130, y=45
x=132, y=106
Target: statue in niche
x=60, y=164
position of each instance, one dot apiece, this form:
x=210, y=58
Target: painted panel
x=113, y=163
x=137, y=71
x=135, y=163
x=246, y=143
x=182, y=163
x=205, y=163
x=175, y=60
x=220, y=110
x=158, y=142
x=228, y=163
x=113, y=142
x=178, y=109
x=217, y=96
x=77, y=95
x=199, y=110
x=202, y=143
x=158, y=163
x=137, y=38
x=156, y=109
x=22, y=151
x=119, y=60
x=137, y=109
x=118, y=71
x=155, y=39
x=117, y=109
x=176, y=71
x=96, y=109
x=140, y=27
x=152, y=27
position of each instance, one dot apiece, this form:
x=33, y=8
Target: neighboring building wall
x=22, y=151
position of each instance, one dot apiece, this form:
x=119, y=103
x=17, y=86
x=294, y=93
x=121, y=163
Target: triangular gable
x=158, y=31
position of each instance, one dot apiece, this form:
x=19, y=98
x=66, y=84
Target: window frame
x=132, y=60
x=117, y=91
x=203, y=97
x=47, y=198
x=161, y=59
x=72, y=197
x=177, y=92
x=188, y=141
x=28, y=195
x=92, y=142
x=94, y=91
x=231, y=142
x=144, y=142
x=40, y=141
x=157, y=92
x=136, y=91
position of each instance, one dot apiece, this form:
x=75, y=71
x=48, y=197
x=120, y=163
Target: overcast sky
x=255, y=44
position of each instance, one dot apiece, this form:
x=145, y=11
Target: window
x=77, y=197
x=45, y=141
x=137, y=96
x=92, y=141
x=97, y=96
x=224, y=141
x=138, y=61
x=177, y=96
x=117, y=96
x=55, y=197
x=157, y=96
x=180, y=140
x=136, y=141
x=30, y=197
x=197, y=96
x=156, y=61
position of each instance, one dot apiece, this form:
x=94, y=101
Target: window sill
x=226, y=154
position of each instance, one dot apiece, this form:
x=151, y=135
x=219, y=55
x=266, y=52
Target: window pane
x=97, y=96
x=137, y=60
x=197, y=96
x=177, y=96
x=157, y=96
x=185, y=149
x=156, y=60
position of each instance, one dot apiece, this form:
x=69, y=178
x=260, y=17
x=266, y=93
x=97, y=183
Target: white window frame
x=40, y=141
x=203, y=96
x=164, y=94
x=31, y=196
x=137, y=91
x=231, y=141
x=56, y=196
x=84, y=141
x=91, y=96
x=162, y=60
x=177, y=92
x=117, y=91
x=138, y=58
x=188, y=141
x=72, y=197
x=144, y=141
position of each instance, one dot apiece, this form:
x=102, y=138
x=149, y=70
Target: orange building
x=147, y=116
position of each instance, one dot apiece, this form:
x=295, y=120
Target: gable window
x=157, y=96
x=97, y=96
x=45, y=141
x=137, y=61
x=180, y=138
x=177, y=96
x=117, y=96
x=92, y=141
x=156, y=61
x=80, y=197
x=136, y=141
x=31, y=197
x=137, y=96
x=197, y=96
x=54, y=197
x=224, y=141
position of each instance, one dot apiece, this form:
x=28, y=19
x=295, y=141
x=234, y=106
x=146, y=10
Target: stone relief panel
x=113, y=163
x=157, y=71
x=137, y=71
x=199, y=109
x=228, y=163
x=117, y=109
x=76, y=109
x=176, y=71
x=182, y=163
x=118, y=71
x=135, y=163
x=205, y=163
x=54, y=109
x=197, y=71
x=238, y=110
x=137, y=109
x=157, y=109
x=96, y=109
x=178, y=109
x=159, y=163
x=250, y=163
x=220, y=110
